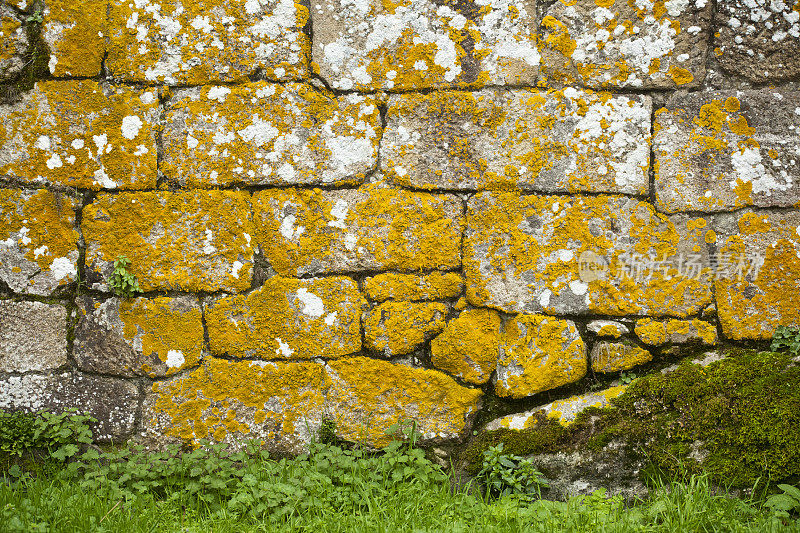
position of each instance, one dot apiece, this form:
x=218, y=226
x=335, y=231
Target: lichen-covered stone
x=112, y=401
x=310, y=231
x=525, y=254
x=469, y=347
x=645, y=44
x=264, y=134
x=659, y=332
x=13, y=44
x=153, y=337
x=233, y=402
x=396, y=286
x=551, y=141
x=188, y=240
x=33, y=336
x=615, y=356
x=80, y=134
x=75, y=32
x=38, y=240
x=413, y=44
x=538, y=353
x=607, y=328
x=723, y=150
x=202, y=41
x=367, y=396
x=760, y=288
x=399, y=328
x=759, y=39
x=288, y=319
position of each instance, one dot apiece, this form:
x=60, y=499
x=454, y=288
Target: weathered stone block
x=399, y=328
x=139, y=337
x=309, y=231
x=177, y=42
x=607, y=328
x=729, y=149
x=395, y=286
x=188, y=240
x=80, y=134
x=33, y=336
x=538, y=353
x=553, y=141
x=416, y=44
x=615, y=356
x=38, y=240
x=645, y=44
x=75, y=32
x=288, y=319
x=759, y=39
x=533, y=253
x=13, y=43
x=112, y=401
x=469, y=346
x=265, y=133
x=659, y=332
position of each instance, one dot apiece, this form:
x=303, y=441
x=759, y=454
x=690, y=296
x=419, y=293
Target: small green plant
x=123, y=282
x=405, y=431
x=504, y=475
x=786, y=337
x=785, y=503
x=627, y=377
x=37, y=17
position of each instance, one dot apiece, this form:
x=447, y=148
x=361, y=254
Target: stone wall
x=369, y=212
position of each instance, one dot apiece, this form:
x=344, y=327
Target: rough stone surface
x=75, y=32
x=551, y=141
x=288, y=319
x=659, y=332
x=395, y=286
x=538, y=353
x=309, y=231
x=198, y=42
x=645, y=44
x=188, y=240
x=38, y=240
x=33, y=336
x=759, y=39
x=417, y=44
x=399, y=328
x=80, y=134
x=728, y=149
x=607, y=328
x=13, y=44
x=469, y=347
x=615, y=356
x=265, y=133
x=524, y=254
x=153, y=337
x=113, y=402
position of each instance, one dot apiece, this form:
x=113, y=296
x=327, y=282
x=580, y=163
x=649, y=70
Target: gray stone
x=607, y=328
x=13, y=43
x=33, y=336
x=728, y=149
x=549, y=141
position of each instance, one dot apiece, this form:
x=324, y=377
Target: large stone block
x=75, y=32
x=38, y=240
x=265, y=134
x=469, y=346
x=176, y=42
x=399, y=328
x=13, y=43
x=153, y=337
x=729, y=149
x=188, y=240
x=610, y=357
x=112, y=401
x=415, y=44
x=33, y=336
x=646, y=44
x=577, y=255
x=309, y=231
x=288, y=319
x=554, y=141
x=396, y=286
x=759, y=39
x=80, y=134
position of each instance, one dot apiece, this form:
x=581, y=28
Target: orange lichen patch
x=80, y=134
x=399, y=328
x=288, y=319
x=615, y=356
x=38, y=240
x=202, y=41
x=469, y=346
x=680, y=76
x=75, y=32
x=193, y=240
x=367, y=396
x=538, y=353
x=235, y=401
x=266, y=133
x=394, y=286
x=303, y=231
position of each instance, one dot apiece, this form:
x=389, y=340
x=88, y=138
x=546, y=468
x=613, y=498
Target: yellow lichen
x=76, y=32
x=394, y=286
x=469, y=346
x=398, y=328
x=615, y=356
